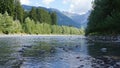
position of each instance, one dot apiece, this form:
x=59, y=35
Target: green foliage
x=44, y=28
x=43, y=16
x=13, y=19
x=33, y=14
x=17, y=27
x=18, y=11
x=54, y=18
x=104, y=18
x=39, y=50
x=7, y=5
x=8, y=25
x=56, y=29
x=29, y=26
x=13, y=7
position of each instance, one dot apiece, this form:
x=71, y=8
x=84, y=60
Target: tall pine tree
x=33, y=15
x=43, y=16
x=18, y=11
x=7, y=5
x=104, y=18
x=53, y=18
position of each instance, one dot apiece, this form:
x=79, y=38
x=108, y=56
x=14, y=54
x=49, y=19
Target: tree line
x=104, y=18
x=10, y=26
x=14, y=19
x=41, y=15
x=14, y=9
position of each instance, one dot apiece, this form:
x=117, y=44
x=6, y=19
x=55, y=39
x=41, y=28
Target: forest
x=15, y=20
x=104, y=18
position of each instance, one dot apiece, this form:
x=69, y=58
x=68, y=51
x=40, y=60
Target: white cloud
x=79, y=6
x=64, y=1
x=47, y=2
x=26, y=2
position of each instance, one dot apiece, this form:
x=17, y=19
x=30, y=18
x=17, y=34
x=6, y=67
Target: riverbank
x=20, y=35
x=104, y=38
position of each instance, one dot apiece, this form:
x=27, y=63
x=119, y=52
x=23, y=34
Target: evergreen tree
x=54, y=18
x=32, y=14
x=43, y=16
x=13, y=19
x=26, y=14
x=104, y=17
x=7, y=5
x=18, y=12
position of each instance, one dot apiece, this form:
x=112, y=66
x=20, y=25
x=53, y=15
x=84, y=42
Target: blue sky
x=74, y=6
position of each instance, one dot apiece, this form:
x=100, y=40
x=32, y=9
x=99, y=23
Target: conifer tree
x=18, y=12
x=32, y=14
x=53, y=18
x=104, y=18
x=7, y=5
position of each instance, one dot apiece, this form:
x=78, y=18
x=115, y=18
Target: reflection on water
x=104, y=49
x=42, y=49
x=106, y=54
x=5, y=52
x=52, y=52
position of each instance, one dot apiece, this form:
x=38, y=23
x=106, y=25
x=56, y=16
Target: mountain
x=62, y=18
x=80, y=19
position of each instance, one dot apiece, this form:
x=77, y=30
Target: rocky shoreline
x=104, y=38
x=106, y=62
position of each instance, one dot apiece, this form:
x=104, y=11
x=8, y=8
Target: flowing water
x=57, y=52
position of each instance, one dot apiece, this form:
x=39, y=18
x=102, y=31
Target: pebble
x=105, y=62
x=61, y=58
x=81, y=66
x=81, y=60
x=42, y=51
x=104, y=49
x=78, y=57
x=118, y=63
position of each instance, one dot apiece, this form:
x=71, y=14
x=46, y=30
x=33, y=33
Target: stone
x=81, y=66
x=78, y=57
x=42, y=51
x=103, y=49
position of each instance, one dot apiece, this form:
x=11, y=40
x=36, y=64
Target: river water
x=57, y=52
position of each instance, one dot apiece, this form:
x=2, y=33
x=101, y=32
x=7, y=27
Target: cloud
x=26, y=2
x=47, y=2
x=64, y=1
x=79, y=6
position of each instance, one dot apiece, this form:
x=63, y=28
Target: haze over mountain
x=66, y=18
x=80, y=19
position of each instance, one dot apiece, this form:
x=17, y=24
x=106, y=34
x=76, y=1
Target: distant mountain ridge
x=80, y=19
x=64, y=18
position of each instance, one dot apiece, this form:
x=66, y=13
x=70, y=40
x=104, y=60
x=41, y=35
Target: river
x=57, y=52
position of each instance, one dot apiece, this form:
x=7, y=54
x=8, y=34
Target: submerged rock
x=81, y=66
x=42, y=51
x=52, y=50
x=21, y=50
x=103, y=49
x=78, y=57
x=27, y=46
x=107, y=62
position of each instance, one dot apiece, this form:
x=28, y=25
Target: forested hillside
x=14, y=19
x=104, y=18
x=62, y=19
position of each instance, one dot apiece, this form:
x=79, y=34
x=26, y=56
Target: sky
x=73, y=6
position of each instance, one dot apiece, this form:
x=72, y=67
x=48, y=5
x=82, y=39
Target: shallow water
x=54, y=52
